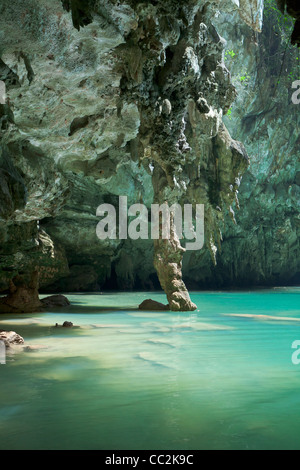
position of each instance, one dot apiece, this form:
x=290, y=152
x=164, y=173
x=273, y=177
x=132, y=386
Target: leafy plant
x=231, y=54
x=283, y=24
x=286, y=56
x=229, y=113
x=245, y=78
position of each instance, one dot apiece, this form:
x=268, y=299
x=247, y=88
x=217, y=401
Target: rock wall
x=112, y=98
x=263, y=247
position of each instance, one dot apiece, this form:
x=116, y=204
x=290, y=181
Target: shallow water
x=143, y=380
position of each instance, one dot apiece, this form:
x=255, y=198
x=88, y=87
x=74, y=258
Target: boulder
x=55, y=301
x=23, y=295
x=150, y=304
x=66, y=324
x=10, y=338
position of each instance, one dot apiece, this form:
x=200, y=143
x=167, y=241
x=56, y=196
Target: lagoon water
x=155, y=380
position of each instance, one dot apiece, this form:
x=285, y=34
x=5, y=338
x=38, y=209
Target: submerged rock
x=55, y=301
x=11, y=338
x=150, y=304
x=66, y=324
x=35, y=347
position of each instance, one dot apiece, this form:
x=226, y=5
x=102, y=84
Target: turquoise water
x=136, y=380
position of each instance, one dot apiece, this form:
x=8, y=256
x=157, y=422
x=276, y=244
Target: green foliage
x=241, y=79
x=231, y=53
x=245, y=78
x=280, y=49
x=283, y=25
x=229, y=113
